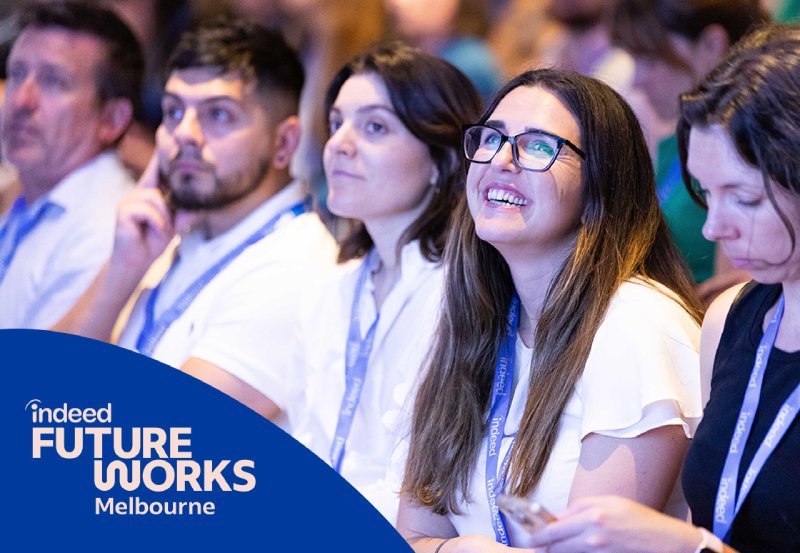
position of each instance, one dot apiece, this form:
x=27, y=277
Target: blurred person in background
x=73, y=79
x=674, y=43
x=454, y=30
x=9, y=186
x=157, y=24
x=573, y=34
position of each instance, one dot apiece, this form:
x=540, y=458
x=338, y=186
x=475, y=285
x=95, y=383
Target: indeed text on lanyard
x=357, y=352
x=498, y=414
x=729, y=501
x=18, y=225
x=153, y=330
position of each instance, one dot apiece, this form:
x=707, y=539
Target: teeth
x=501, y=197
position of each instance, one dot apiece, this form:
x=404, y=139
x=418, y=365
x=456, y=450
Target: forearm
x=96, y=311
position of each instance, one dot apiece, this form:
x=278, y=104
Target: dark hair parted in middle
x=236, y=45
x=622, y=235
x=754, y=94
x=433, y=100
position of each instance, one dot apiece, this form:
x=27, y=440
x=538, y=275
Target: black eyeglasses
x=532, y=150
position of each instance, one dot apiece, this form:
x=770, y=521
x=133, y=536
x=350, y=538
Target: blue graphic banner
x=107, y=450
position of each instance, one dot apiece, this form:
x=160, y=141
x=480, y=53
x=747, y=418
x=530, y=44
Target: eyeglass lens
x=534, y=150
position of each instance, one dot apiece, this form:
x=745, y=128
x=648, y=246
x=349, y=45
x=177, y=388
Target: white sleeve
x=643, y=369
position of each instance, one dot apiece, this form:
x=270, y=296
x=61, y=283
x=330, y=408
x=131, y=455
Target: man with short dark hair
x=72, y=84
x=220, y=304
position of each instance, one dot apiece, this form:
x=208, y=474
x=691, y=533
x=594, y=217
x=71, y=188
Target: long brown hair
x=623, y=235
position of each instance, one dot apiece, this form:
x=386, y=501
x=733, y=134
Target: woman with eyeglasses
x=565, y=363
x=739, y=139
x=392, y=166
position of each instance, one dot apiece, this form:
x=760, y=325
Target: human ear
x=710, y=47
x=287, y=137
x=115, y=118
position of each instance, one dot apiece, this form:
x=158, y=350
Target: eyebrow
x=210, y=99
x=499, y=125
x=371, y=107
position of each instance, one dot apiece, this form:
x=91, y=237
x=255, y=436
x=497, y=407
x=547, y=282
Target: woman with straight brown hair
x=565, y=362
x=739, y=139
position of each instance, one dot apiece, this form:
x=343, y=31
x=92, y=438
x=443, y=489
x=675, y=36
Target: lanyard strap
x=154, y=329
x=357, y=352
x=501, y=405
x=728, y=501
x=19, y=224
x=666, y=187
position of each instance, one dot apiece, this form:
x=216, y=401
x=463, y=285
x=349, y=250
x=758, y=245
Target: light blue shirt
x=58, y=259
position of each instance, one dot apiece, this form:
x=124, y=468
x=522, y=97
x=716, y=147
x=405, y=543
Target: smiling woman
x=738, y=137
x=565, y=363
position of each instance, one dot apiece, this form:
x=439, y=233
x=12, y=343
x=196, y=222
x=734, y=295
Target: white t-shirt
x=372, y=460
x=57, y=261
x=242, y=321
x=642, y=373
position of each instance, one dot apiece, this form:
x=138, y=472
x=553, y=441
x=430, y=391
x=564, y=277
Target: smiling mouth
x=499, y=197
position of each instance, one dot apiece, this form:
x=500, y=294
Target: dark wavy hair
x=754, y=94
x=433, y=100
x=232, y=44
x=623, y=235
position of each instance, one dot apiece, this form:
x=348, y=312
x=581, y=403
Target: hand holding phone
x=528, y=513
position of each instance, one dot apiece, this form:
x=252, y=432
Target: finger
x=554, y=533
x=149, y=178
x=153, y=198
x=148, y=218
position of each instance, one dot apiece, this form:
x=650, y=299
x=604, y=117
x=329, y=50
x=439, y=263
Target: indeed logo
x=65, y=413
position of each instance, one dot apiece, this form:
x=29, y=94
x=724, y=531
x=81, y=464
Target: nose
x=24, y=96
x=717, y=226
x=503, y=160
x=189, y=130
x=341, y=140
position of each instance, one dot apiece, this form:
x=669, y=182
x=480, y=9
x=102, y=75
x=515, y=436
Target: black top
x=769, y=519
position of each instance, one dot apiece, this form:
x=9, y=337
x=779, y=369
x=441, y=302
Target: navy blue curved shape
x=51, y=503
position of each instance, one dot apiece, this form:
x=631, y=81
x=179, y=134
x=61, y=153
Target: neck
x=533, y=273
x=387, y=231
x=34, y=188
x=38, y=181
x=387, y=245
x=216, y=222
x=789, y=332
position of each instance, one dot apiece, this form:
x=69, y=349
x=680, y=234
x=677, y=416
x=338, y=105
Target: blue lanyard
x=667, y=186
x=356, y=354
x=153, y=330
x=728, y=501
x=19, y=225
x=501, y=404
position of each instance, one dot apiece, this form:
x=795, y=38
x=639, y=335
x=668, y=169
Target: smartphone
x=530, y=514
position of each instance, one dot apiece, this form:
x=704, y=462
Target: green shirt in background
x=684, y=217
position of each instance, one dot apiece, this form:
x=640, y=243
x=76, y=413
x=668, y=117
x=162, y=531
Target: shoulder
x=642, y=307
x=714, y=321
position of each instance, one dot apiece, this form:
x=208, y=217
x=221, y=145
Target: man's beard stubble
x=182, y=195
